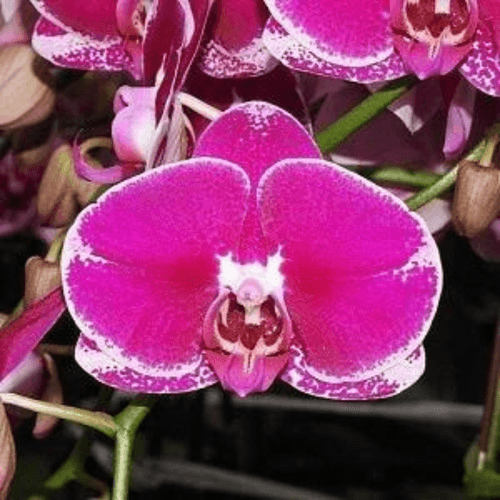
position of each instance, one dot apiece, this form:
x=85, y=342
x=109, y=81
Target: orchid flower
x=235, y=48
x=385, y=39
x=115, y=35
x=253, y=260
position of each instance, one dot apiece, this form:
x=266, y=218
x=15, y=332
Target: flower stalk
x=96, y=420
x=127, y=423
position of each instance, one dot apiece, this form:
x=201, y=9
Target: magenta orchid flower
x=235, y=47
x=385, y=39
x=114, y=35
x=253, y=260
x=131, y=132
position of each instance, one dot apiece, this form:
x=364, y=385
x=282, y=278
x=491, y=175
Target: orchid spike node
x=253, y=260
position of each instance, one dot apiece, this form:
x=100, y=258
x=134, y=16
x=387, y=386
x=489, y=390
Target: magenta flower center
x=438, y=21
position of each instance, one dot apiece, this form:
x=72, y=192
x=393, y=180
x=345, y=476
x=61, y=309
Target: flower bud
x=23, y=74
x=476, y=200
x=41, y=278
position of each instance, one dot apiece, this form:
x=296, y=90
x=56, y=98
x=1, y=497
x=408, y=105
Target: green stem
x=489, y=150
x=96, y=420
x=433, y=191
x=401, y=176
x=127, y=423
x=372, y=106
x=481, y=152
x=73, y=469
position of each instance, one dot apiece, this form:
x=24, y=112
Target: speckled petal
x=81, y=50
x=383, y=385
x=94, y=16
x=293, y=54
x=482, y=65
x=165, y=35
x=489, y=12
x=110, y=372
x=256, y=135
x=363, y=275
x=336, y=31
x=23, y=334
x=147, y=252
x=235, y=49
x=173, y=35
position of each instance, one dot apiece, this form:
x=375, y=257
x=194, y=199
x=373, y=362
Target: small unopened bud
x=23, y=73
x=41, y=278
x=476, y=201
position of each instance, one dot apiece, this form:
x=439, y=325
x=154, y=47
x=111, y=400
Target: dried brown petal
x=7, y=454
x=26, y=98
x=476, y=202
x=41, y=278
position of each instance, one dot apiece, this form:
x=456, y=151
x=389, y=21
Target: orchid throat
x=247, y=330
x=436, y=22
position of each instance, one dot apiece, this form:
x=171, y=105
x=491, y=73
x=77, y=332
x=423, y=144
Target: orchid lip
x=451, y=23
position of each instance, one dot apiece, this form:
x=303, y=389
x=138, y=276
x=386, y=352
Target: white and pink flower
x=253, y=260
x=381, y=40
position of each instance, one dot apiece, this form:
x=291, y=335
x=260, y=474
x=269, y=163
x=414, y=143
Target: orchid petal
x=416, y=56
x=148, y=248
x=383, y=385
x=335, y=32
x=482, y=65
x=8, y=8
x=369, y=145
x=14, y=31
x=27, y=378
x=362, y=293
x=180, y=50
x=293, y=54
x=236, y=48
x=81, y=50
x=110, y=372
x=256, y=135
x=108, y=175
x=22, y=335
x=417, y=106
x=134, y=124
x=164, y=36
x=459, y=121
x=489, y=12
x=96, y=16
